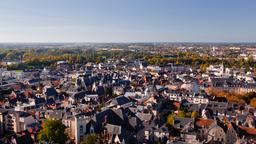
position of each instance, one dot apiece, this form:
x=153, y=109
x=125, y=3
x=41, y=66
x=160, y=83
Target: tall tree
x=53, y=131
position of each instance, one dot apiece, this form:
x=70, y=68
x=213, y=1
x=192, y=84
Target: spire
x=222, y=68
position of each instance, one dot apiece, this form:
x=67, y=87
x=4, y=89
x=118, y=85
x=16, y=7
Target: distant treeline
x=39, y=58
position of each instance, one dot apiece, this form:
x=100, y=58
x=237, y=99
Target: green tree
x=250, y=61
x=92, y=139
x=53, y=131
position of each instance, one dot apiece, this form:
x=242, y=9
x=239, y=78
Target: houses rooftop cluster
x=127, y=102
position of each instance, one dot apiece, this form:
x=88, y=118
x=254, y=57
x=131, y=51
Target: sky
x=128, y=21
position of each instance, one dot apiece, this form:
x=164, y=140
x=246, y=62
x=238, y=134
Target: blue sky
x=127, y=21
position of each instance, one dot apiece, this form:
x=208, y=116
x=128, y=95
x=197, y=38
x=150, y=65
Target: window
x=81, y=128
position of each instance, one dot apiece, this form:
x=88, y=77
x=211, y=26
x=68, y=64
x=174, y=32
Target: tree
x=53, y=131
x=194, y=114
x=203, y=67
x=253, y=102
x=181, y=114
x=248, y=97
x=92, y=139
x=250, y=61
x=170, y=119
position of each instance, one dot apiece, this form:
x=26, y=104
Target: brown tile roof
x=249, y=130
x=204, y=122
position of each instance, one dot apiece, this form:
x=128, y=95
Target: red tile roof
x=249, y=130
x=204, y=122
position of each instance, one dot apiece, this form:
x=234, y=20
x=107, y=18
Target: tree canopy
x=92, y=139
x=53, y=131
x=181, y=114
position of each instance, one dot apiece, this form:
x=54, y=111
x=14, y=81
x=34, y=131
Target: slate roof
x=51, y=92
x=24, y=114
x=100, y=90
x=144, y=116
x=120, y=100
x=50, y=101
x=79, y=95
x=39, y=101
x=85, y=114
x=110, y=116
x=182, y=122
x=56, y=114
x=20, y=113
x=32, y=81
x=194, y=107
